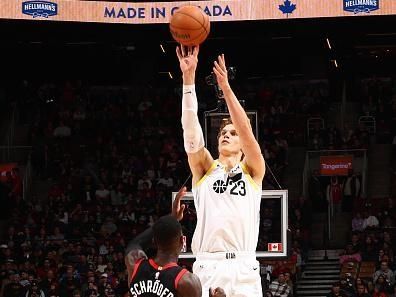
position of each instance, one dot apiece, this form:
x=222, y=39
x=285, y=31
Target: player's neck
x=229, y=162
x=165, y=257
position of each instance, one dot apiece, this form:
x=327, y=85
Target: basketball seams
x=180, y=28
x=191, y=16
x=204, y=21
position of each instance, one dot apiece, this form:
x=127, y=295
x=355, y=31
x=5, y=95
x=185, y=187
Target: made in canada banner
x=160, y=12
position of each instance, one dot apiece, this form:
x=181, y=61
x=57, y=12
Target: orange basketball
x=190, y=25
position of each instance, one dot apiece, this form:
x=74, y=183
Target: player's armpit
x=200, y=162
x=189, y=286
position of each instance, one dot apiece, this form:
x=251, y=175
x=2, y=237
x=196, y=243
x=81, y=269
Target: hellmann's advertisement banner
x=336, y=165
x=218, y=10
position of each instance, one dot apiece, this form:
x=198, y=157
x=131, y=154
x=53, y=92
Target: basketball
x=190, y=25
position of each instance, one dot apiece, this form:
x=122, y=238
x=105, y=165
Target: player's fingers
x=178, y=53
x=222, y=63
x=223, y=59
x=217, y=73
x=218, y=68
x=183, y=50
x=180, y=194
x=182, y=207
x=196, y=51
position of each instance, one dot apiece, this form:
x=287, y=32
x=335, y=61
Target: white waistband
x=226, y=255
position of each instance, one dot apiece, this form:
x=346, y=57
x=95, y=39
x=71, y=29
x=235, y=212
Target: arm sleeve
x=192, y=130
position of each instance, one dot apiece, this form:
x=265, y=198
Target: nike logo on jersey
x=189, y=92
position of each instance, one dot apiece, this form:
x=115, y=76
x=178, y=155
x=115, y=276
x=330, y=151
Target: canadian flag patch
x=274, y=247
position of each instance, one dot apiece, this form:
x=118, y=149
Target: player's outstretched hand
x=220, y=70
x=177, y=207
x=188, y=59
x=218, y=292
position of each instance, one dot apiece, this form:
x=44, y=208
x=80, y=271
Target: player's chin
x=227, y=150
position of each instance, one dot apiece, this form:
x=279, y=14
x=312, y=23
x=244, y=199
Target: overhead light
x=162, y=48
x=170, y=75
x=335, y=63
x=328, y=43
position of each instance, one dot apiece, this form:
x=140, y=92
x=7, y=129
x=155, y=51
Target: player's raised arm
x=134, y=251
x=199, y=157
x=253, y=157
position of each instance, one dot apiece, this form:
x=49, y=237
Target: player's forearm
x=238, y=114
x=192, y=130
x=188, y=78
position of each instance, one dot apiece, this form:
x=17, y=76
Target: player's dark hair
x=166, y=231
x=224, y=122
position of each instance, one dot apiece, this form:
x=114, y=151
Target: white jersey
x=228, y=211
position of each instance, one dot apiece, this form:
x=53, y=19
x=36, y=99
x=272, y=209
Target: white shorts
x=237, y=273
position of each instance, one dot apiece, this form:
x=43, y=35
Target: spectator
x=361, y=291
x=385, y=272
x=102, y=194
x=347, y=285
x=370, y=221
x=369, y=250
x=68, y=283
x=355, y=241
x=62, y=130
x=34, y=290
x=382, y=285
x=351, y=191
x=279, y=287
x=49, y=282
x=91, y=293
x=108, y=228
x=336, y=291
x=13, y=288
x=289, y=282
x=350, y=255
x=357, y=222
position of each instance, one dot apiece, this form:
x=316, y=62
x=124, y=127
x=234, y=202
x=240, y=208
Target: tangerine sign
x=335, y=165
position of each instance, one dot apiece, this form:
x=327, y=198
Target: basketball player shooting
x=227, y=191
x=161, y=276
